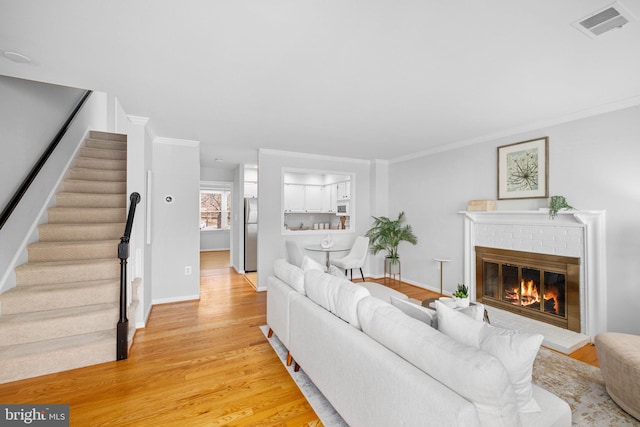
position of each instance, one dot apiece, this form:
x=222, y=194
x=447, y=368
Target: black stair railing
x=20, y=192
x=122, y=348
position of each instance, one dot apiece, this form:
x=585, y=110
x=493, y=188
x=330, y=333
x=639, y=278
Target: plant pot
x=394, y=265
x=461, y=302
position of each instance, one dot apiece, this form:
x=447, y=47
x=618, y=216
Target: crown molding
x=533, y=126
x=298, y=155
x=176, y=141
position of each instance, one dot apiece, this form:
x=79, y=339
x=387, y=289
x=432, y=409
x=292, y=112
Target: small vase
x=326, y=243
x=462, y=302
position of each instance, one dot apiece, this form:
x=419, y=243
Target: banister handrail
x=122, y=346
x=20, y=192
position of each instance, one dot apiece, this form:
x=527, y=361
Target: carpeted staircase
x=63, y=312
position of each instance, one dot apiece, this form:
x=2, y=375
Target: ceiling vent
x=608, y=18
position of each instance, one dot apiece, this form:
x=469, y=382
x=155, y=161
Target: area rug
x=582, y=387
x=577, y=383
x=318, y=402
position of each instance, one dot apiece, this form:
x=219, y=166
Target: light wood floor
x=196, y=363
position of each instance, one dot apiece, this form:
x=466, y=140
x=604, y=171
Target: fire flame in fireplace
x=529, y=295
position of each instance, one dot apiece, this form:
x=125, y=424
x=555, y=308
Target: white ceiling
x=365, y=79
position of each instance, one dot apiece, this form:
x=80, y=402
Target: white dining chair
x=355, y=258
x=294, y=253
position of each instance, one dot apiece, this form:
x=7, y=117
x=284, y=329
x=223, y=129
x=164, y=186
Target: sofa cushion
x=309, y=264
x=423, y=314
x=458, y=326
x=289, y=274
x=474, y=374
x=516, y=351
x=338, y=295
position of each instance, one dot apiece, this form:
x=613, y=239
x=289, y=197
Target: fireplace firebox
x=539, y=286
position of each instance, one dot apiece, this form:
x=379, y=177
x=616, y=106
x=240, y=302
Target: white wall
x=271, y=243
x=21, y=229
x=175, y=230
x=31, y=114
x=593, y=162
x=215, y=240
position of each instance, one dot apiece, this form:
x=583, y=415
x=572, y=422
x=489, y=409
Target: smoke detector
x=16, y=57
x=606, y=19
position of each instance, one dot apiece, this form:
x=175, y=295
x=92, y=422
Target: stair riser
x=101, y=153
x=107, y=136
x=101, y=187
x=86, y=215
x=49, y=274
x=90, y=250
x=34, y=365
x=46, y=329
x=105, y=145
x=80, y=232
x=98, y=174
x=89, y=163
x=69, y=200
x=54, y=298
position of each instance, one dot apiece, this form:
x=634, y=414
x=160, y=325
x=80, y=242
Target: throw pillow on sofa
x=309, y=264
x=423, y=314
x=515, y=350
x=474, y=374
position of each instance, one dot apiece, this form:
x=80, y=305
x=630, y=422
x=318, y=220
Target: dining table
x=327, y=251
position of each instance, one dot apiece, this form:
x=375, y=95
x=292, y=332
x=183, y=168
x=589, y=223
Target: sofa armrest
x=278, y=296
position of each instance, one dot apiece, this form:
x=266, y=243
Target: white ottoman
x=383, y=292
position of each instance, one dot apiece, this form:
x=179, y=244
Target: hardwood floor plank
x=197, y=363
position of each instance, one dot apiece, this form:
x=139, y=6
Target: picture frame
x=523, y=170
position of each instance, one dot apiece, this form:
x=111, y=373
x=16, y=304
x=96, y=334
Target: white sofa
x=380, y=367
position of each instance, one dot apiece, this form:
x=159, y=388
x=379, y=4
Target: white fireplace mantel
x=575, y=233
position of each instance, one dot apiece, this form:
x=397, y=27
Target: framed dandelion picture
x=523, y=170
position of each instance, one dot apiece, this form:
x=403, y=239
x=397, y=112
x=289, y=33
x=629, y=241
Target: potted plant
x=555, y=204
x=461, y=295
x=386, y=234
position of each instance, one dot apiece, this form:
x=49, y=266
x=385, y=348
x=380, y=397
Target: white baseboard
x=178, y=299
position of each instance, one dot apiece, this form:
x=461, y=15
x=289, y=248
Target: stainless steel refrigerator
x=250, y=234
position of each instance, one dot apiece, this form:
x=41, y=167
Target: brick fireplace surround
x=579, y=234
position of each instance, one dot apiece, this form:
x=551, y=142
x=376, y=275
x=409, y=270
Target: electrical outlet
x=187, y=270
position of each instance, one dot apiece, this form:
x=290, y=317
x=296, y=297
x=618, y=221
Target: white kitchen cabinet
x=344, y=190
x=329, y=198
x=313, y=198
x=294, y=195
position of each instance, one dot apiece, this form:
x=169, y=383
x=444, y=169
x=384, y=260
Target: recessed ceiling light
x=16, y=57
x=218, y=159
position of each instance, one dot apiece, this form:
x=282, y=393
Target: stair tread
x=21, y=291
x=79, y=262
x=94, y=180
x=81, y=224
x=69, y=243
x=87, y=195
